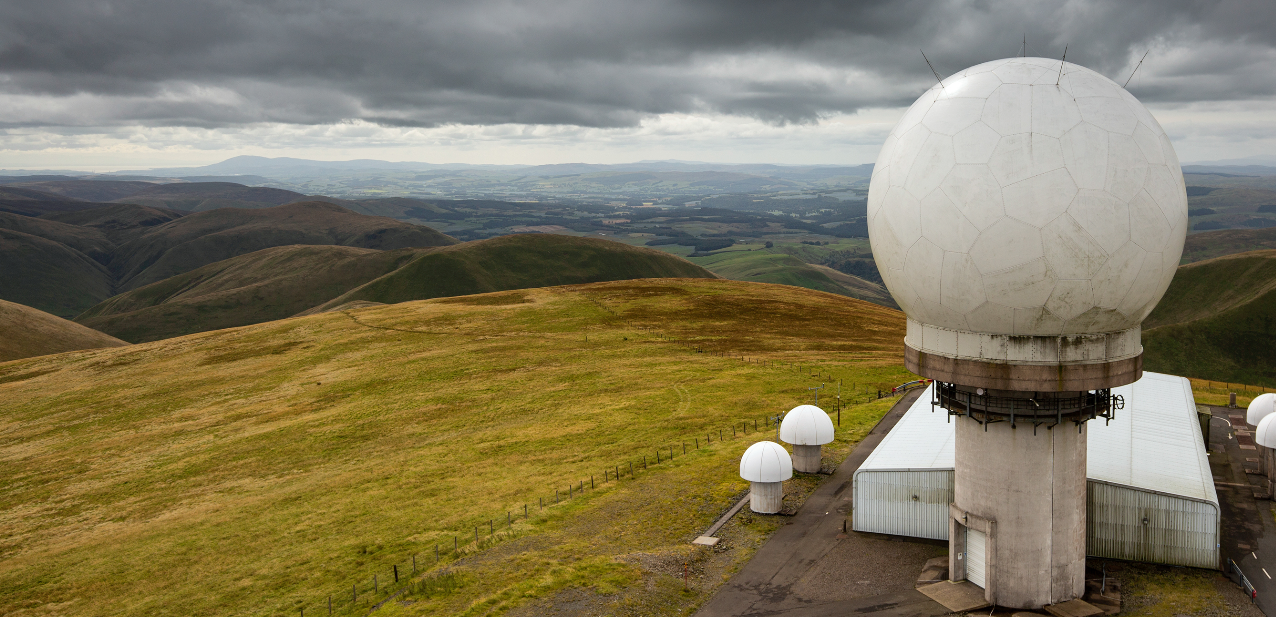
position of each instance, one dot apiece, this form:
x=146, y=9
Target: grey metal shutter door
x=976, y=542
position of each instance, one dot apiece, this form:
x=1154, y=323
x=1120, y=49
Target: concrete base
x=1027, y=493
x=806, y=459
x=766, y=497
x=958, y=597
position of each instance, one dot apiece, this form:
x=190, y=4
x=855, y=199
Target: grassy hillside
x=1210, y=244
x=1217, y=321
x=92, y=242
x=200, y=196
x=259, y=470
x=29, y=202
x=49, y=275
x=67, y=261
x=518, y=262
x=119, y=222
x=89, y=190
x=202, y=238
x=27, y=332
x=772, y=266
x=262, y=286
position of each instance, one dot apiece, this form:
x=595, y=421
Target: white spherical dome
x=806, y=425
x=1003, y=203
x=1262, y=406
x=1265, y=434
x=766, y=461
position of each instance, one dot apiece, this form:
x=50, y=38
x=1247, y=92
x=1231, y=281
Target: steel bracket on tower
x=1049, y=409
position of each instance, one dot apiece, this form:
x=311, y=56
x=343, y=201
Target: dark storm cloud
x=228, y=62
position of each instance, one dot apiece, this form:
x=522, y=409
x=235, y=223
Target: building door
x=976, y=556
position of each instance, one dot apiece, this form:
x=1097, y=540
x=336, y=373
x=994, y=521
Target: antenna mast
x=932, y=69
x=1136, y=68
x=1061, y=63
x=1025, y=45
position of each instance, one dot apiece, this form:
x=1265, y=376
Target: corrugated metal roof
x=1153, y=444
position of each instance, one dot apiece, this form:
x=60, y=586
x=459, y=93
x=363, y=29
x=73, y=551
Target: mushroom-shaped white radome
x=1262, y=406
x=806, y=425
x=1265, y=434
x=766, y=461
x=1026, y=196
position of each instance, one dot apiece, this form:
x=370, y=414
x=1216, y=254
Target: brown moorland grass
x=27, y=332
x=258, y=470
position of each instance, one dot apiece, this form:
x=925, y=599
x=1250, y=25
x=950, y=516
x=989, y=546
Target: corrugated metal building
x=1150, y=494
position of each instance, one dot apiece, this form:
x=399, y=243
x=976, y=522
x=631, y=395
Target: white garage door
x=976, y=543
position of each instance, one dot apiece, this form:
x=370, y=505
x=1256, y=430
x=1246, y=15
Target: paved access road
x=806, y=570
x=1249, y=529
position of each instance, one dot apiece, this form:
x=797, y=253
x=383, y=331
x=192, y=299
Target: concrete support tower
x=1026, y=214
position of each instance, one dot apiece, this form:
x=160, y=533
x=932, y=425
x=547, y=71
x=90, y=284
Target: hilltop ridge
x=283, y=281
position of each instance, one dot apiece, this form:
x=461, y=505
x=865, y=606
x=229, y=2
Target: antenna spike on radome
x=1136, y=68
x=1061, y=63
x=1024, y=50
x=932, y=69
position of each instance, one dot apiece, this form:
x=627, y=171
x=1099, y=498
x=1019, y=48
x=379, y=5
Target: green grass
x=280, y=282
x=259, y=470
x=517, y=262
x=1159, y=591
x=1217, y=321
x=776, y=265
x=1211, y=244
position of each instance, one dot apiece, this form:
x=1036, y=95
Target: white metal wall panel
x=976, y=557
x=903, y=503
x=1178, y=531
x=1148, y=462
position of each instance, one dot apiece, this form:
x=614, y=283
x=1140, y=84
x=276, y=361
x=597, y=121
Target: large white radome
x=1003, y=203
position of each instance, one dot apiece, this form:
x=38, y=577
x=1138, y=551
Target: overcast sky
x=120, y=84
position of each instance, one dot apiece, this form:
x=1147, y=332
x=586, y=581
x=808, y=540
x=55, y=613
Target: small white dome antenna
x=1262, y=406
x=766, y=465
x=807, y=428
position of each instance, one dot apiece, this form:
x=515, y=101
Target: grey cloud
x=599, y=64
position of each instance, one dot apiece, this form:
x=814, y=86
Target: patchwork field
x=263, y=469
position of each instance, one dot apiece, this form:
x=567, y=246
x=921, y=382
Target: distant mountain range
x=372, y=178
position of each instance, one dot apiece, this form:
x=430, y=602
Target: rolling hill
x=259, y=470
x=1217, y=321
x=283, y=281
x=49, y=275
x=88, y=190
x=118, y=222
x=67, y=261
x=1210, y=244
x=201, y=196
x=202, y=238
x=265, y=285
x=87, y=240
x=772, y=266
x=29, y=202
x=517, y=262
x=26, y=332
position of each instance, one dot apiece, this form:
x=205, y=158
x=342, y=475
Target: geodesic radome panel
x=1003, y=203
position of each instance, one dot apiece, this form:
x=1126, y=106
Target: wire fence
x=1228, y=386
